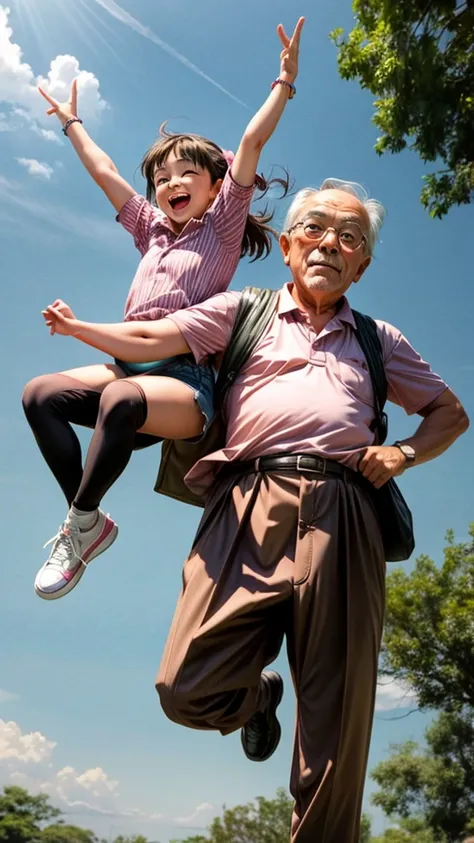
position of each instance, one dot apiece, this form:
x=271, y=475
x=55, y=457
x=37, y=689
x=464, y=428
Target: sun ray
x=85, y=13
x=30, y=18
x=84, y=20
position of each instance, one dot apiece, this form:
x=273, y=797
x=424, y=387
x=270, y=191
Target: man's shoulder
x=387, y=331
x=388, y=334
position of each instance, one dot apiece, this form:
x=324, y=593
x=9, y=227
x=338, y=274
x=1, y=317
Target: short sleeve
x=138, y=217
x=207, y=327
x=411, y=382
x=229, y=212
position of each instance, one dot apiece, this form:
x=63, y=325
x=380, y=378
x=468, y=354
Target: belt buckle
x=320, y=467
x=256, y=465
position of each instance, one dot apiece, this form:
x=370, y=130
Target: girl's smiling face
x=183, y=190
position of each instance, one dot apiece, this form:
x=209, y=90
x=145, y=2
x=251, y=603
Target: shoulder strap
x=369, y=341
x=256, y=307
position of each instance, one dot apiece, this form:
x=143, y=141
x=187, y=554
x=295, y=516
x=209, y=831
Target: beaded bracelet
x=291, y=87
x=70, y=122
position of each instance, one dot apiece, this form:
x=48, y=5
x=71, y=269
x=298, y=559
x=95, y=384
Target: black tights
x=53, y=402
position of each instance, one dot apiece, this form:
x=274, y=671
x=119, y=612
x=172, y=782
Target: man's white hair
x=375, y=209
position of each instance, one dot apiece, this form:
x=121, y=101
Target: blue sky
x=79, y=716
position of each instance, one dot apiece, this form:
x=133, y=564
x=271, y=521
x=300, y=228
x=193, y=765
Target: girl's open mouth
x=179, y=201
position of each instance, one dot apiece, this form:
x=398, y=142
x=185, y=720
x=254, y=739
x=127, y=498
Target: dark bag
x=256, y=308
x=395, y=518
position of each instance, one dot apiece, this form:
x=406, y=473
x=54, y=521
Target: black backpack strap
x=369, y=341
x=256, y=308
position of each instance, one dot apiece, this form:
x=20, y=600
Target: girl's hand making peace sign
x=289, y=54
x=64, y=110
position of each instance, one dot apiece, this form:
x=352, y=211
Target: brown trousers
x=301, y=556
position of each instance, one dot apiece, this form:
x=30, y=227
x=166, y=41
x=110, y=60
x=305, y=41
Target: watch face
x=408, y=451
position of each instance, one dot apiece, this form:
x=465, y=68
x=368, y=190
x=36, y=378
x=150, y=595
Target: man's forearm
x=135, y=342
x=438, y=430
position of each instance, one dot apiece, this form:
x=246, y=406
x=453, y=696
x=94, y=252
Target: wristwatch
x=407, y=451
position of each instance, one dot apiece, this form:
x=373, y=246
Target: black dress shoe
x=261, y=734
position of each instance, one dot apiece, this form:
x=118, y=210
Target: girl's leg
x=155, y=407
x=133, y=413
x=51, y=403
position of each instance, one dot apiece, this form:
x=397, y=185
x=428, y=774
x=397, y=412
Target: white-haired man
x=285, y=546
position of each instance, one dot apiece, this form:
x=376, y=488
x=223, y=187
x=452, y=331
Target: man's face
x=326, y=249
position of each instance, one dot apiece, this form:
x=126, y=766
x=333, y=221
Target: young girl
x=190, y=246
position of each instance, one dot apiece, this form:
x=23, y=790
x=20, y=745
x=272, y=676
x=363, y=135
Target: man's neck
x=319, y=313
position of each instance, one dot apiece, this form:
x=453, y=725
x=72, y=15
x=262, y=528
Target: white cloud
x=5, y=125
x=18, y=86
x=48, y=135
x=91, y=790
x=201, y=809
x=393, y=694
x=26, y=759
x=63, y=69
x=36, y=168
x=19, y=116
x=125, y=17
x=7, y=696
x=15, y=746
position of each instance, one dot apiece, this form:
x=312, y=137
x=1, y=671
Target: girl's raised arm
x=95, y=160
x=265, y=121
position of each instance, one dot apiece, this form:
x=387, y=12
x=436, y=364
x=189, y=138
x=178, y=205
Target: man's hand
x=63, y=110
x=60, y=319
x=381, y=462
x=289, y=54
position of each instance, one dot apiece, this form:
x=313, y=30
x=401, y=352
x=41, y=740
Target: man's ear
x=285, y=247
x=363, y=266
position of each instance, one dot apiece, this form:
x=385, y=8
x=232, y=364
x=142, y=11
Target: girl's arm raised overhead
x=136, y=342
x=265, y=121
x=95, y=160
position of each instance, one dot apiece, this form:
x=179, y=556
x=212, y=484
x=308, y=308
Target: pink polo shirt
x=302, y=392
x=179, y=270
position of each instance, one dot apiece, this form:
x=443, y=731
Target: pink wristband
x=291, y=87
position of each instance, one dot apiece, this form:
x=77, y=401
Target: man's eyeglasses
x=349, y=235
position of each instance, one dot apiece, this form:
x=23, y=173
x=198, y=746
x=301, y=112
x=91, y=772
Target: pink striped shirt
x=180, y=270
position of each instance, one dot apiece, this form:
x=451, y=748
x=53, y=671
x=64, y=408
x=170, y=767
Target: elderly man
x=290, y=546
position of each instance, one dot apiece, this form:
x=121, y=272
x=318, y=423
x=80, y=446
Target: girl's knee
x=38, y=392
x=121, y=400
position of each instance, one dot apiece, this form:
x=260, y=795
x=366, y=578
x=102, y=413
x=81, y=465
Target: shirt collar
x=287, y=304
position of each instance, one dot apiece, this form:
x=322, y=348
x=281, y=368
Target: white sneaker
x=73, y=549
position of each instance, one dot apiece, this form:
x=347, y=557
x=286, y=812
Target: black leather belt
x=288, y=462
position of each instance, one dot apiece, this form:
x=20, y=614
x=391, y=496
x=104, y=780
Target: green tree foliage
x=22, y=814
x=417, y=58
x=134, y=839
x=67, y=834
x=429, y=645
x=409, y=831
x=431, y=790
x=365, y=830
x=261, y=821
x=429, y=628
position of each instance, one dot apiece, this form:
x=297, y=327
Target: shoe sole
x=104, y=545
x=277, y=730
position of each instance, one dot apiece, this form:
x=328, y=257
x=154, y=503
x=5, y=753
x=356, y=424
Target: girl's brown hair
x=257, y=238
